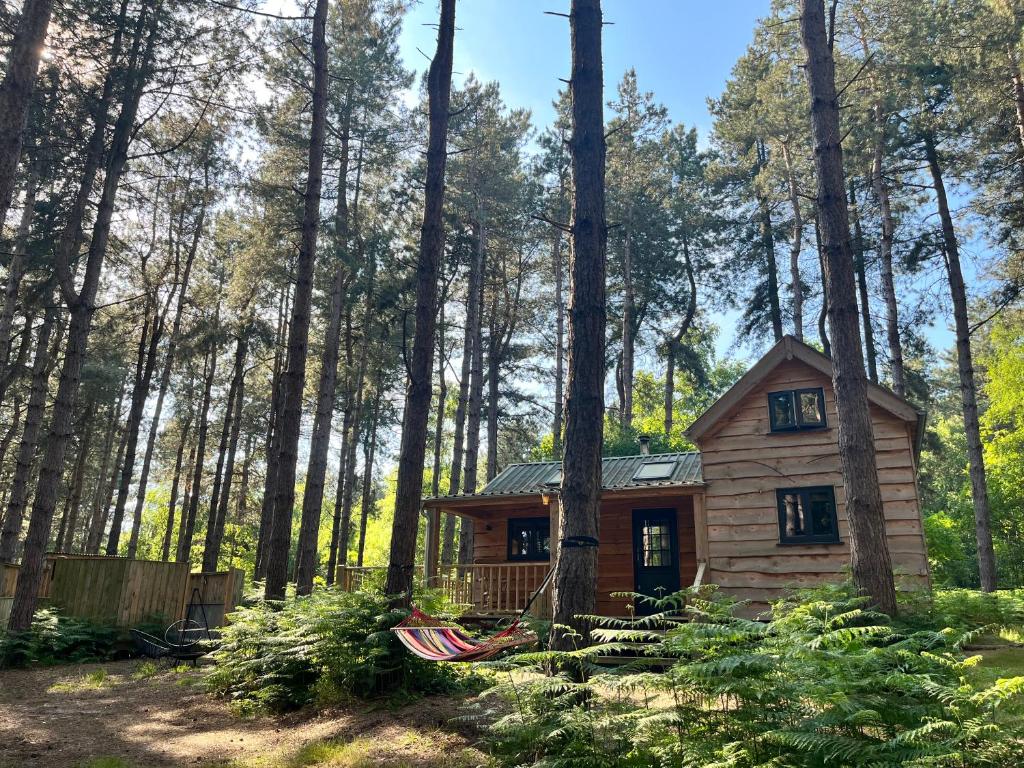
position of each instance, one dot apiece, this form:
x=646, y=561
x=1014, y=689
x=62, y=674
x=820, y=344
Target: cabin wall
x=615, y=552
x=743, y=465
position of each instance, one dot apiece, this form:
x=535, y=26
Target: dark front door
x=655, y=554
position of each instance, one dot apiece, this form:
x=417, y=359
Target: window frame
x=527, y=558
x=805, y=494
x=794, y=400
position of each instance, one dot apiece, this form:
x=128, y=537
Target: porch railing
x=489, y=588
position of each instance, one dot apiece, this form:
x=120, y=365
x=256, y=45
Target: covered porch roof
x=530, y=483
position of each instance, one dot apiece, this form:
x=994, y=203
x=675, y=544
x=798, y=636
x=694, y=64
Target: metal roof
x=617, y=472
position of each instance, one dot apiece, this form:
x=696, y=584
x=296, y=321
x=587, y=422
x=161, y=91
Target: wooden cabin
x=758, y=510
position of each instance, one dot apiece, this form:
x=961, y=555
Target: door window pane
x=657, y=545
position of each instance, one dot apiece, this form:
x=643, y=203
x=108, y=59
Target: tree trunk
x=675, y=342
x=18, y=498
x=493, y=394
x=556, y=426
x=574, y=590
x=186, y=530
x=225, y=459
x=165, y=375
x=95, y=534
x=16, y=267
x=83, y=306
x=165, y=549
x=1017, y=82
x=628, y=331
x=273, y=443
x=66, y=539
x=339, y=492
x=16, y=91
x=892, y=326
x=826, y=345
x=298, y=333
x=869, y=550
x=148, y=348
x=862, y=288
x=370, y=449
x=965, y=367
x=768, y=246
x=416, y=413
x=316, y=472
x=448, y=530
x=796, y=286
x=474, y=403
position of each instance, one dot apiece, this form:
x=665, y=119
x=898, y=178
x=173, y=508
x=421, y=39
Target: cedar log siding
x=744, y=463
x=615, y=554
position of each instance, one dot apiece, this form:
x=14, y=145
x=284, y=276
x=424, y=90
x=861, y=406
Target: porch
x=487, y=589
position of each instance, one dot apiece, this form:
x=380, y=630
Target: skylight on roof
x=655, y=470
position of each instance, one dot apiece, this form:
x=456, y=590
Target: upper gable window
x=794, y=409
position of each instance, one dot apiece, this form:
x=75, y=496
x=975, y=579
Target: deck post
x=432, y=557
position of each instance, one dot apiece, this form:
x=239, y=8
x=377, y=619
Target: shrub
x=323, y=649
x=57, y=639
x=824, y=682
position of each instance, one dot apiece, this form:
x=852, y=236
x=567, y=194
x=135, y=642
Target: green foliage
x=56, y=639
x=825, y=682
x=325, y=648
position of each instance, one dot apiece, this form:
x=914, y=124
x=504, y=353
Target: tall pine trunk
x=316, y=471
x=965, y=368
x=148, y=348
x=18, y=498
x=416, y=413
x=66, y=538
x=172, y=502
x=16, y=89
x=860, y=265
x=558, y=416
x=16, y=267
x=628, y=329
x=869, y=549
x=294, y=377
x=797, y=239
x=675, y=342
x=82, y=306
x=95, y=530
x=187, y=529
x=369, y=451
x=225, y=458
x=574, y=590
x=165, y=375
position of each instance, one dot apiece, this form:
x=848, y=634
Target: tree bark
x=225, y=458
x=366, y=501
x=148, y=348
x=796, y=286
x=16, y=91
x=186, y=530
x=965, y=367
x=97, y=520
x=448, y=530
x=628, y=330
x=18, y=498
x=16, y=267
x=273, y=443
x=416, y=413
x=575, y=579
x=82, y=309
x=862, y=288
x=294, y=377
x=66, y=539
x=165, y=375
x=675, y=342
x=557, y=419
x=165, y=549
x=869, y=550
x=768, y=246
x=316, y=472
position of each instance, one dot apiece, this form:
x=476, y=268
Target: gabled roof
x=617, y=473
x=790, y=348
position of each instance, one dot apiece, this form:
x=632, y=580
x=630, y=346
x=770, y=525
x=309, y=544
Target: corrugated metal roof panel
x=617, y=472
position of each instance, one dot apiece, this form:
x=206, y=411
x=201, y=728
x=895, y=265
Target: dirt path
x=66, y=717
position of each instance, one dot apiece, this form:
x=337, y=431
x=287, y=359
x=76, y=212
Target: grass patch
x=146, y=670
x=92, y=681
x=999, y=663
x=408, y=749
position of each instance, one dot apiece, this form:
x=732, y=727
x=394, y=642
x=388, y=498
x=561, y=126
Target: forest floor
x=131, y=715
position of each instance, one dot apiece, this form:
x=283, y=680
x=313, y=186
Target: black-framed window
x=529, y=538
x=794, y=409
x=808, y=515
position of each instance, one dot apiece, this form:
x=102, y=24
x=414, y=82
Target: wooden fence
x=125, y=593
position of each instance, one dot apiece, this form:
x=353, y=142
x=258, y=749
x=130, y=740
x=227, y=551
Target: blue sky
x=682, y=50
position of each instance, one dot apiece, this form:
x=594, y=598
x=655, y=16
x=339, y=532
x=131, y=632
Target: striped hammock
x=436, y=640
